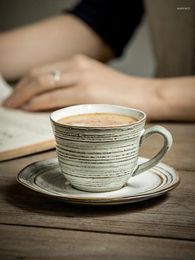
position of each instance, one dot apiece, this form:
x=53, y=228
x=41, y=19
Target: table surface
x=33, y=226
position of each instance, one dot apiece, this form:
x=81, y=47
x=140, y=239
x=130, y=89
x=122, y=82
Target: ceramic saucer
x=45, y=177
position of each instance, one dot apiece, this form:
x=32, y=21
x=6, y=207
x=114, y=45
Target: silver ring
x=56, y=75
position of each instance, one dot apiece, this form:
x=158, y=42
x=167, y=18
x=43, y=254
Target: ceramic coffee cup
x=100, y=159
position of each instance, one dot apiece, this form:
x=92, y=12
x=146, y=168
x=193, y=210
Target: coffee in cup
x=97, y=120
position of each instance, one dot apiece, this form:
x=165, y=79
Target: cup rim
x=98, y=127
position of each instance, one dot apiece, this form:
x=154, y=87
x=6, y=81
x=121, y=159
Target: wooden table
x=33, y=226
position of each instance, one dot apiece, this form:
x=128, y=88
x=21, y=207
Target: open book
x=22, y=133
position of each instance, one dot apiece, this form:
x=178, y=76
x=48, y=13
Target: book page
x=20, y=130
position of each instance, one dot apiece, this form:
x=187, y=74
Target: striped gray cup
x=99, y=159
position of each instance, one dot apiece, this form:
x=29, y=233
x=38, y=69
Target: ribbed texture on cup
x=97, y=159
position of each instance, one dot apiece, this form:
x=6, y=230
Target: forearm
x=48, y=41
x=173, y=99
x=84, y=80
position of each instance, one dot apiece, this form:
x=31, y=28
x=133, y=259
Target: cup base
x=97, y=190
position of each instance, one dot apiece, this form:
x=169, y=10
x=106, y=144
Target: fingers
x=28, y=87
x=73, y=72
x=56, y=99
x=41, y=80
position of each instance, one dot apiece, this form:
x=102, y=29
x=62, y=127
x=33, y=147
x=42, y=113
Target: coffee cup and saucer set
x=97, y=160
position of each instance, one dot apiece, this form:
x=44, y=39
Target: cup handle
x=166, y=146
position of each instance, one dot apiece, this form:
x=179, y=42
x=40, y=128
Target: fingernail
x=8, y=103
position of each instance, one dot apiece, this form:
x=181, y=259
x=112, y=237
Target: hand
x=82, y=80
